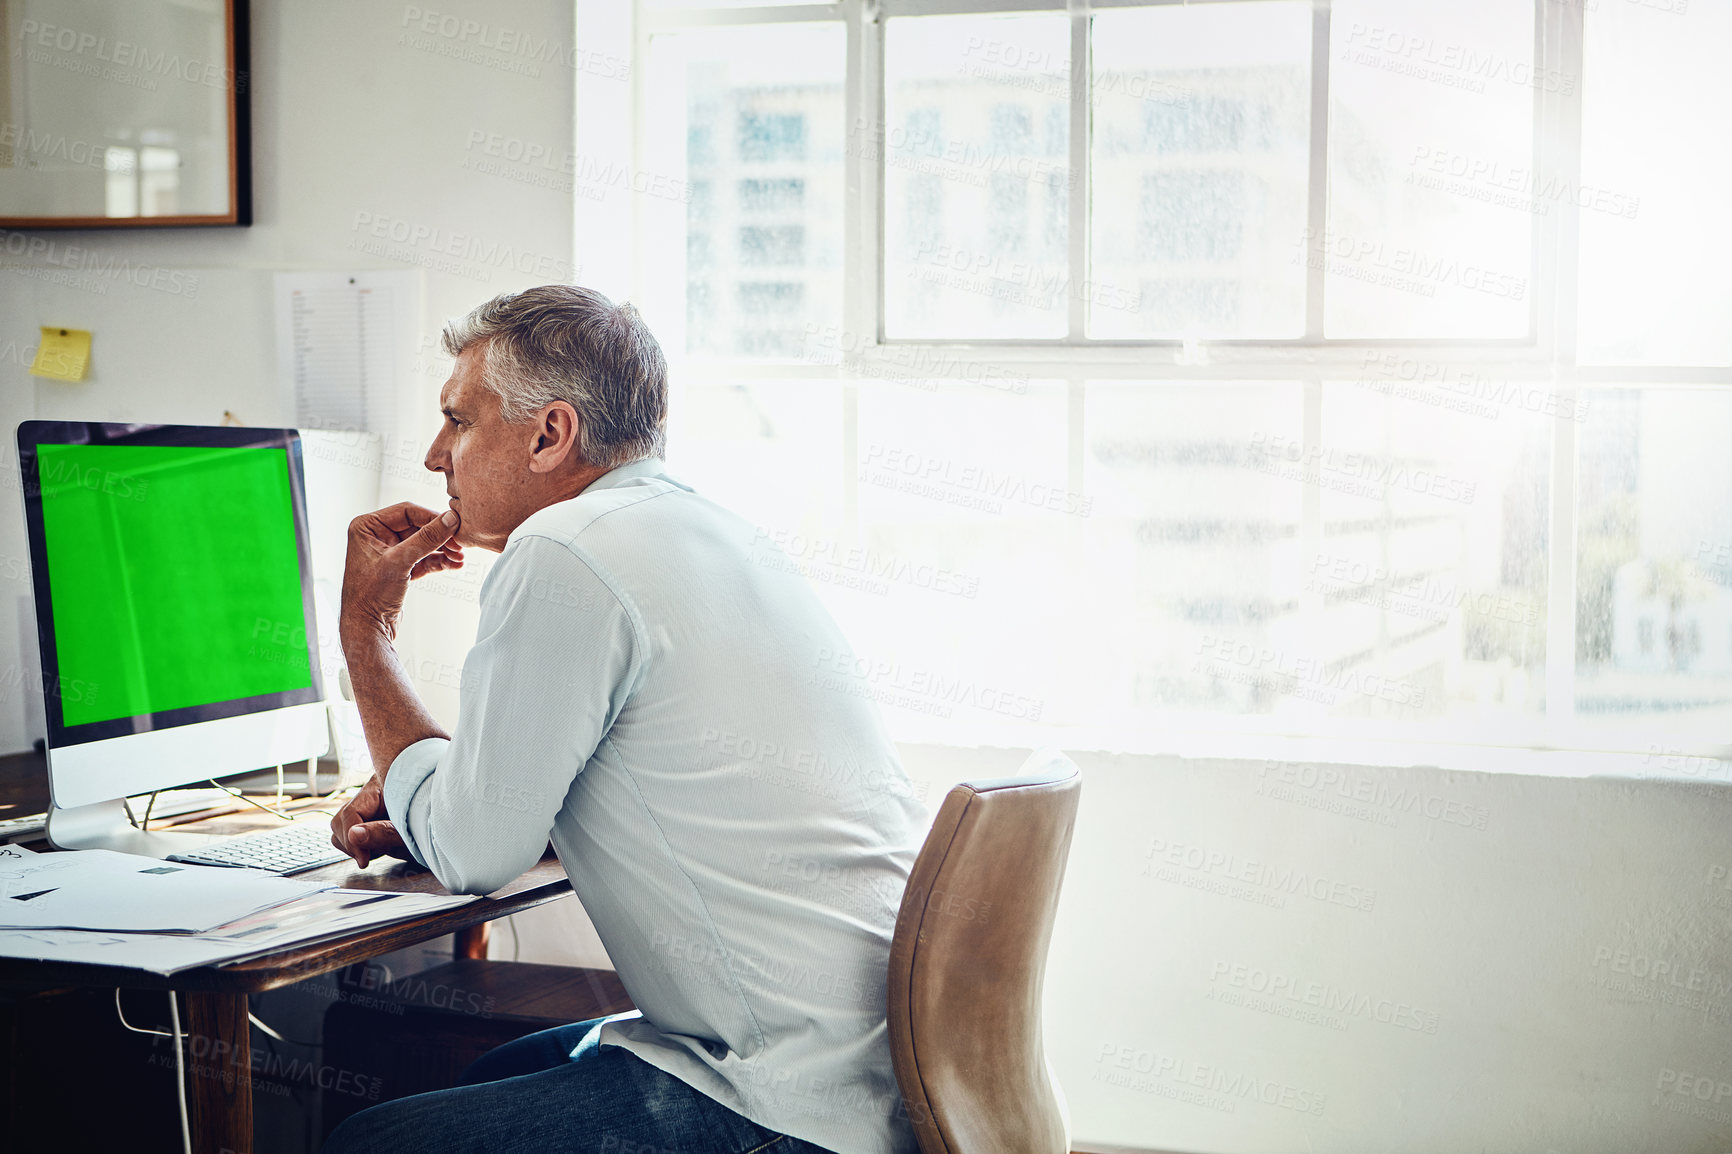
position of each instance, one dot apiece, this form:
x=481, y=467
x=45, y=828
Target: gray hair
x=565, y=343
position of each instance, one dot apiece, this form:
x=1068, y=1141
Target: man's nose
x=436, y=455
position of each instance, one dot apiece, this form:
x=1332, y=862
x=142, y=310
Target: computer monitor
x=170, y=566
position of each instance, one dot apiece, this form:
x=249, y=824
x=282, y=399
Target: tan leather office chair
x=967, y=963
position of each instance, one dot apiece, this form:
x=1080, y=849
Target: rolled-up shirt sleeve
x=555, y=660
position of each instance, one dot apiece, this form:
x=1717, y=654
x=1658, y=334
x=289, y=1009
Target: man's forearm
x=392, y=714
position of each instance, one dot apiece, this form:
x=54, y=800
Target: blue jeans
x=558, y=1090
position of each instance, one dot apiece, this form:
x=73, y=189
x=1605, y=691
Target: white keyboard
x=298, y=846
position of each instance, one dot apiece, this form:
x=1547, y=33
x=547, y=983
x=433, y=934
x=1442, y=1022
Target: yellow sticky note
x=63, y=355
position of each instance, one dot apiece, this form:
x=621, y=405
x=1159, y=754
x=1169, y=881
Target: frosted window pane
x=1192, y=550
x=1656, y=239
x=1654, y=560
x=966, y=511
x=1431, y=197
x=1430, y=573
x=1201, y=128
x=770, y=451
x=976, y=176
x=759, y=112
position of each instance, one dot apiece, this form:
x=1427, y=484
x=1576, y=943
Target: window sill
x=1658, y=763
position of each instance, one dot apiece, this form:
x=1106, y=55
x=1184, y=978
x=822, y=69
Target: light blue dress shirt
x=652, y=687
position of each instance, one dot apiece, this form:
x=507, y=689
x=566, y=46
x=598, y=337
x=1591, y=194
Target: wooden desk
x=221, y=1109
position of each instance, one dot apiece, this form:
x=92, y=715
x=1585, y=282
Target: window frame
x=1546, y=355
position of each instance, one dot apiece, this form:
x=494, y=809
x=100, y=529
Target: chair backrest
x=968, y=959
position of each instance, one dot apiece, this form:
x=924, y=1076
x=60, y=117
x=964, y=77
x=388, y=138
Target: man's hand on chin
x=358, y=830
x=387, y=550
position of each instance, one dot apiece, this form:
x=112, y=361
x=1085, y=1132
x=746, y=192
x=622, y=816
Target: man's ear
x=556, y=433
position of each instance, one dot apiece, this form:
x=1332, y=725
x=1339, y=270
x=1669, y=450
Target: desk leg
x=220, y=1093
x=471, y=942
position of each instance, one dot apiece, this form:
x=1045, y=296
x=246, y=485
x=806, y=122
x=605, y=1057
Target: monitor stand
x=104, y=825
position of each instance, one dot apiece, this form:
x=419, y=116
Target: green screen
x=174, y=575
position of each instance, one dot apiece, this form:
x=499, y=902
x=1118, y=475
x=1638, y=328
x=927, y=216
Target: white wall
x=360, y=114
x=1255, y=957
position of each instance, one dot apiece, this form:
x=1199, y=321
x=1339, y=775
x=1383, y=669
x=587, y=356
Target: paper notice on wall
x=345, y=342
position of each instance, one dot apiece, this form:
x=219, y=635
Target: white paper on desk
x=156, y=953
x=331, y=914
x=170, y=953
x=99, y=889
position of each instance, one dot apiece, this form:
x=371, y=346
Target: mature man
x=641, y=692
